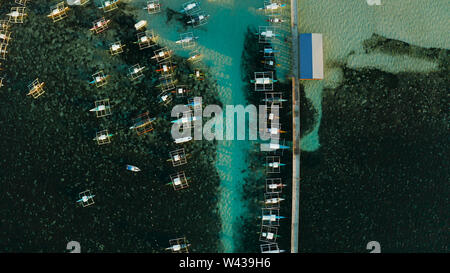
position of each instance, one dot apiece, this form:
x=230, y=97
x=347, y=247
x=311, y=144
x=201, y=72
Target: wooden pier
x=296, y=129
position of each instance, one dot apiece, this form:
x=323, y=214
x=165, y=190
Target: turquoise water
x=221, y=42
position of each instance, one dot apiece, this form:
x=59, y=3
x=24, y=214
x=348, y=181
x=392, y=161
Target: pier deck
x=296, y=129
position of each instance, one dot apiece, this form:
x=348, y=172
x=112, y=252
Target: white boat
x=183, y=139
x=133, y=168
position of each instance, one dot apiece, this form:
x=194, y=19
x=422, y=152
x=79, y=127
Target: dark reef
x=48, y=155
x=381, y=172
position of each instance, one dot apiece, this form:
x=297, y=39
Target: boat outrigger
x=186, y=40
x=271, y=217
x=135, y=72
x=197, y=75
x=58, y=12
x=268, y=34
x=133, y=168
x=272, y=6
x=198, y=19
x=165, y=68
x=85, y=198
x=274, y=99
x=183, y=139
x=275, y=131
x=275, y=20
x=165, y=97
x=178, y=157
x=146, y=39
x=162, y=54
x=263, y=81
x=194, y=57
x=269, y=50
x=268, y=234
x=142, y=123
x=100, y=25
x=153, y=6
x=179, y=245
x=102, y=137
x=274, y=164
x=180, y=91
x=269, y=63
x=185, y=119
x=99, y=79
x=190, y=7
x=179, y=181
x=271, y=248
x=109, y=5
x=17, y=14
x=100, y=108
x=274, y=186
x=273, y=201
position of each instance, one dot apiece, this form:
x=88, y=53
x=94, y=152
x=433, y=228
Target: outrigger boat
x=165, y=68
x=109, y=4
x=194, y=57
x=187, y=40
x=162, y=54
x=275, y=186
x=271, y=217
x=269, y=50
x=273, y=201
x=102, y=137
x=275, y=20
x=181, y=90
x=100, y=108
x=16, y=14
x=178, y=157
x=268, y=34
x=185, y=119
x=274, y=100
x=133, y=168
x=57, y=12
x=152, y=6
x=142, y=123
x=193, y=104
x=275, y=131
x=190, y=7
x=164, y=98
x=276, y=146
x=177, y=181
x=198, y=75
x=274, y=251
x=197, y=19
x=178, y=247
x=274, y=164
x=100, y=24
x=145, y=39
x=269, y=235
x=85, y=198
x=263, y=81
x=98, y=79
x=273, y=6
x=270, y=63
x=137, y=70
x=183, y=139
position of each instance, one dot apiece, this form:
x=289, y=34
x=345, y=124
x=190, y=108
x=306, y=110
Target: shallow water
x=345, y=24
x=221, y=42
x=372, y=167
